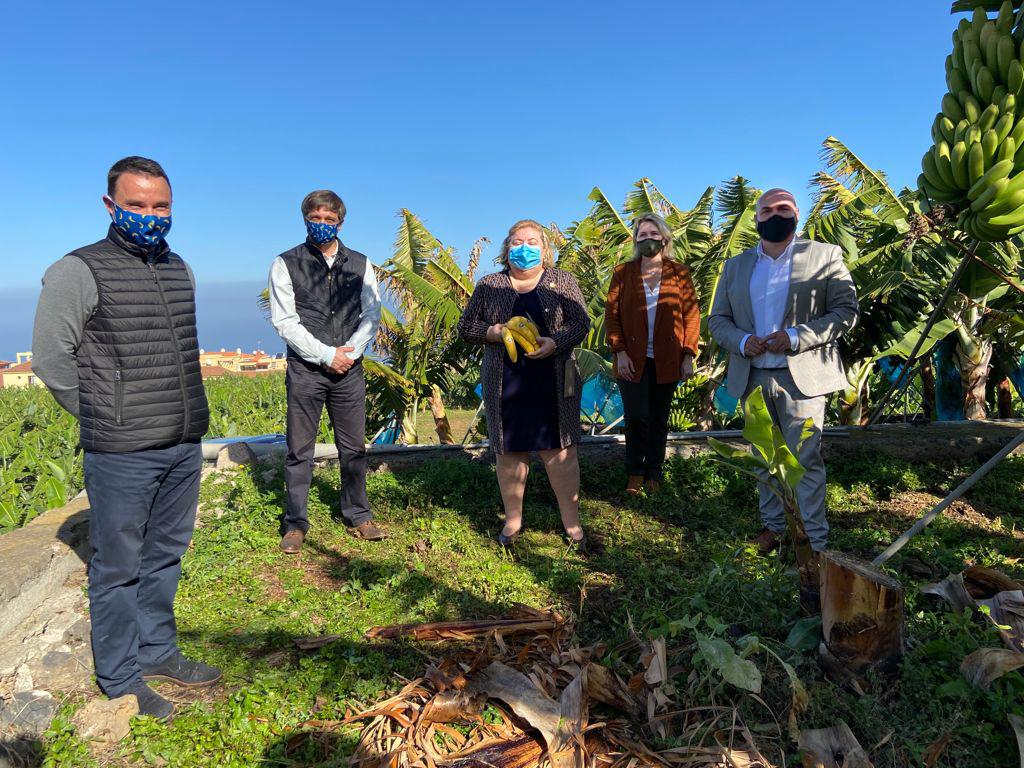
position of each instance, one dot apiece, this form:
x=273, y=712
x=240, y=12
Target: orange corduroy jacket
x=676, y=322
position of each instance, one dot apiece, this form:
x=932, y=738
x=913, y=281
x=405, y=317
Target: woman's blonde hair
x=666, y=234
x=547, y=253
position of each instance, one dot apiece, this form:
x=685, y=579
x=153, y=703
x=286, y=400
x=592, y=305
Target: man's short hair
x=134, y=164
x=323, y=198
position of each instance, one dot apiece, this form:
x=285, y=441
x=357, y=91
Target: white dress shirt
x=769, y=290
x=652, y=311
x=285, y=318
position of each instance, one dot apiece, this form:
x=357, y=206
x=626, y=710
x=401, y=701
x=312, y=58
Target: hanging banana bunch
x=977, y=159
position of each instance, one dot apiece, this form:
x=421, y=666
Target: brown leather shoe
x=652, y=485
x=767, y=541
x=635, y=483
x=368, y=531
x=291, y=542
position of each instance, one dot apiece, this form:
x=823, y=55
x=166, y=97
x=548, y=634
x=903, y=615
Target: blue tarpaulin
x=600, y=400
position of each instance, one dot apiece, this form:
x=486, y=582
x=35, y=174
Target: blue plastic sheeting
x=479, y=389
x=275, y=438
x=892, y=367
x=1017, y=377
x=600, y=399
x=949, y=395
x=725, y=403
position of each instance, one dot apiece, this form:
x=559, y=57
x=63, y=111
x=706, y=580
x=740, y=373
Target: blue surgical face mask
x=320, y=233
x=524, y=256
x=146, y=231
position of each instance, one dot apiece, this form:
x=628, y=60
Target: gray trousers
x=789, y=409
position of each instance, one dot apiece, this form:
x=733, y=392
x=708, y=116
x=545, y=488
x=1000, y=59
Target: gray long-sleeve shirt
x=67, y=301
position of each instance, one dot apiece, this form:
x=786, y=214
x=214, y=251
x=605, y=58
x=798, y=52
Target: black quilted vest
x=328, y=301
x=138, y=363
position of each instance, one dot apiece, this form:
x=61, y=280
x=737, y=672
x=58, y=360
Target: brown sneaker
x=767, y=541
x=635, y=483
x=291, y=542
x=368, y=531
x=652, y=485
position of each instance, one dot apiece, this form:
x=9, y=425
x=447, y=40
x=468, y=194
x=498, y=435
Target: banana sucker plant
x=777, y=468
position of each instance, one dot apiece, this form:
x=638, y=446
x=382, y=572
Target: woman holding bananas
x=652, y=322
x=529, y=317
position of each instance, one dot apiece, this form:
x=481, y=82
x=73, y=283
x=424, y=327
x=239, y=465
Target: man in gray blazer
x=779, y=310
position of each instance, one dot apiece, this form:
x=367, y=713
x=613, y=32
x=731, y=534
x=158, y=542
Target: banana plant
x=419, y=354
x=776, y=467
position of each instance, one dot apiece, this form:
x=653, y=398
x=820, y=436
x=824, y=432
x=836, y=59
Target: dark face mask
x=649, y=247
x=776, y=229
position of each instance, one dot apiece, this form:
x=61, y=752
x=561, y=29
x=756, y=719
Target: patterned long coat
x=565, y=314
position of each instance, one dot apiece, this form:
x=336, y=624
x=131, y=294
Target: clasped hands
x=545, y=344
x=341, y=362
x=773, y=342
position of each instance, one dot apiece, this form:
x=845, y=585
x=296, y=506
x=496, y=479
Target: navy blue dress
x=529, y=396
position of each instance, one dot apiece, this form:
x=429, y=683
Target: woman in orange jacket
x=652, y=322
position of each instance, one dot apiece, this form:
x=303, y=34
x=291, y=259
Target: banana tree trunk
x=409, y=436
x=853, y=402
x=441, y=425
x=1004, y=399
x=928, y=388
x=973, y=356
x=706, y=417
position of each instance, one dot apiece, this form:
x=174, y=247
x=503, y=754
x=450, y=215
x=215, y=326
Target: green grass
x=674, y=564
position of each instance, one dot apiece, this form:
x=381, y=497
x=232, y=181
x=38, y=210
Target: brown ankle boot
x=291, y=542
x=634, y=484
x=652, y=485
x=767, y=541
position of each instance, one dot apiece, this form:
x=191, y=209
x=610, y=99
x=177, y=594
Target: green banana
x=946, y=127
x=957, y=82
x=1004, y=21
x=1008, y=104
x=1011, y=219
x=998, y=94
x=960, y=133
x=979, y=19
x=975, y=168
x=1004, y=202
x=1007, y=150
x=931, y=173
x=951, y=108
x=972, y=109
x=1014, y=77
x=988, y=117
x=998, y=171
x=973, y=135
x=989, y=145
x=952, y=164
x=990, y=194
x=990, y=47
x=1003, y=126
x=1006, y=51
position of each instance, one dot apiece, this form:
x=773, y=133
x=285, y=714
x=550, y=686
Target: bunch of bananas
x=521, y=331
x=977, y=160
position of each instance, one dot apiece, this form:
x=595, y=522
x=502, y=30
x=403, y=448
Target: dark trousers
x=142, y=512
x=309, y=388
x=646, y=405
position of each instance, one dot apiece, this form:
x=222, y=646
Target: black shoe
x=579, y=546
x=177, y=669
x=150, y=702
x=507, y=542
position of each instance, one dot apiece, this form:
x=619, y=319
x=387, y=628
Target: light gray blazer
x=821, y=306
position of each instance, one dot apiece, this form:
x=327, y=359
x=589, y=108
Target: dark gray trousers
x=141, y=516
x=309, y=388
x=646, y=406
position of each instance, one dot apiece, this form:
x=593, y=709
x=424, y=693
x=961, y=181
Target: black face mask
x=777, y=228
x=649, y=247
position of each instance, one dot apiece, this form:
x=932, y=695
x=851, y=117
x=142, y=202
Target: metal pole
x=960, y=490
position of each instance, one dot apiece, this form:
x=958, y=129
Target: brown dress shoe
x=291, y=542
x=368, y=531
x=635, y=483
x=652, y=485
x=767, y=541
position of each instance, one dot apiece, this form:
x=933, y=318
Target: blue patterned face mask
x=321, y=234
x=524, y=256
x=147, y=231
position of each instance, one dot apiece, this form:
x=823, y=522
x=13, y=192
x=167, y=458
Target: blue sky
x=472, y=115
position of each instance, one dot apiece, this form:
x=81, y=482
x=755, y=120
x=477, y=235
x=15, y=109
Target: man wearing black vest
x=115, y=342
x=325, y=304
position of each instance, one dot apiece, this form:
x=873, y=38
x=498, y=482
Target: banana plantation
x=964, y=353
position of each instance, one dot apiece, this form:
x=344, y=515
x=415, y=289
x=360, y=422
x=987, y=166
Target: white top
x=769, y=290
x=285, y=318
x=652, y=311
